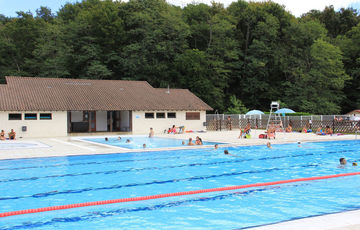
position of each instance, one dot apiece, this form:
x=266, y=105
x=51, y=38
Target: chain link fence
x=338, y=123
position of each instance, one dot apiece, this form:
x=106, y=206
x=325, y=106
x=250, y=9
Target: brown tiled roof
x=356, y=111
x=62, y=94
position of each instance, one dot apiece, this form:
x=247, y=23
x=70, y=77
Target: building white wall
x=101, y=120
x=141, y=125
x=55, y=127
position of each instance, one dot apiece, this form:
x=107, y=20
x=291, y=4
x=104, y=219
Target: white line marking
x=67, y=143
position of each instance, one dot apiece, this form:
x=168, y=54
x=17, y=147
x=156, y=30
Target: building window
x=193, y=116
x=30, y=116
x=45, y=116
x=14, y=116
x=171, y=115
x=160, y=115
x=149, y=115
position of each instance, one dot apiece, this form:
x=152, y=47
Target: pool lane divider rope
x=159, y=196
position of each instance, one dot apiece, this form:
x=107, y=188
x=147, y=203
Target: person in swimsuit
x=190, y=141
x=198, y=141
x=2, y=135
x=151, y=133
x=12, y=135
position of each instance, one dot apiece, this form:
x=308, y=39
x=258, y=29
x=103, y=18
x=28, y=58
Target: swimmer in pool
x=128, y=141
x=190, y=141
x=342, y=162
x=268, y=145
x=106, y=139
x=226, y=152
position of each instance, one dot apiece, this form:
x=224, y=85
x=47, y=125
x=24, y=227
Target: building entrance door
x=92, y=120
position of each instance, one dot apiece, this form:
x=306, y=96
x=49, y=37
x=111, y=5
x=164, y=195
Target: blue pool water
x=42, y=182
x=136, y=142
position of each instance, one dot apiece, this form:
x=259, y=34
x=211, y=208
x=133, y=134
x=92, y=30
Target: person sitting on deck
x=172, y=130
x=288, y=129
x=190, y=141
x=319, y=131
x=12, y=135
x=304, y=130
x=245, y=131
x=271, y=132
x=328, y=130
x=2, y=135
x=279, y=127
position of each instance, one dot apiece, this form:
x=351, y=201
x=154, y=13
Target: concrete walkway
x=68, y=146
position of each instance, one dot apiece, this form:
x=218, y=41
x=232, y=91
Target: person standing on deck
x=151, y=133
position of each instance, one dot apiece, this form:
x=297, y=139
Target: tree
x=155, y=36
x=237, y=107
x=202, y=76
x=350, y=46
x=319, y=88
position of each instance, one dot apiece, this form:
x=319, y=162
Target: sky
x=296, y=7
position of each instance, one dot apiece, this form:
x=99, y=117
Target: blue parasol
x=254, y=112
x=285, y=110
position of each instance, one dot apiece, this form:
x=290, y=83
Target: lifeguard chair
x=274, y=118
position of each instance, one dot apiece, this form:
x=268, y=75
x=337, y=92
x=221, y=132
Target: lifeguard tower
x=274, y=118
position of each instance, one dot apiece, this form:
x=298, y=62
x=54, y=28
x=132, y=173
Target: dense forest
x=235, y=58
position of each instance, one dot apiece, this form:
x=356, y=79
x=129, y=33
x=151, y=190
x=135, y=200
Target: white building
x=50, y=107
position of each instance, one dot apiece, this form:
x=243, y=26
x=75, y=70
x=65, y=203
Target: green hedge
x=294, y=114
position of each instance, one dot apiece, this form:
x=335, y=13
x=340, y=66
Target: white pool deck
x=69, y=146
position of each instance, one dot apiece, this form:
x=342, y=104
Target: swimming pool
x=42, y=182
x=136, y=142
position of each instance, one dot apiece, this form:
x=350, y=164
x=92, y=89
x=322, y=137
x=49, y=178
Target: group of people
x=173, y=130
x=343, y=163
x=11, y=134
x=326, y=131
x=198, y=141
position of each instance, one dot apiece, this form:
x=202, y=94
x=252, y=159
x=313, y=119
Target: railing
x=338, y=123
